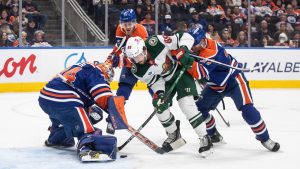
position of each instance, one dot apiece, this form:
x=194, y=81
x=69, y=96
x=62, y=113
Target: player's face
x=201, y=45
x=141, y=58
x=128, y=26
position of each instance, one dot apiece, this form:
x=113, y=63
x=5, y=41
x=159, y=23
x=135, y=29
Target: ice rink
x=23, y=129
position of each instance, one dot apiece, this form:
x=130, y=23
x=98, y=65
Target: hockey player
x=222, y=82
x=153, y=64
x=127, y=28
x=67, y=99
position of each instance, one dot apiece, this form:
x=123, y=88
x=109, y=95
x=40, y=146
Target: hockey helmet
x=198, y=34
x=108, y=71
x=127, y=20
x=136, y=49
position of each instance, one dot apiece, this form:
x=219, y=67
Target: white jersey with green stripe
x=160, y=66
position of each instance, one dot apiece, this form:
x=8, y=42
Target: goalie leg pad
x=117, y=112
x=93, y=147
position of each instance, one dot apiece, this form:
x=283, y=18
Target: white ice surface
x=23, y=129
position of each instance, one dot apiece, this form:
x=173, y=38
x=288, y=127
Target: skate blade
x=178, y=143
x=220, y=143
x=94, y=157
x=206, y=154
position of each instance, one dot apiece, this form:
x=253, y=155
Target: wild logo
x=153, y=41
x=133, y=68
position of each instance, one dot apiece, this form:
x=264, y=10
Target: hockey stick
x=226, y=65
x=145, y=140
x=225, y=121
x=119, y=47
x=155, y=111
x=130, y=129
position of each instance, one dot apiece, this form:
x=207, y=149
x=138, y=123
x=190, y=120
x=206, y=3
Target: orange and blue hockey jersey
x=87, y=78
x=216, y=75
x=139, y=30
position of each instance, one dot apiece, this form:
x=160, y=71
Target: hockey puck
x=123, y=156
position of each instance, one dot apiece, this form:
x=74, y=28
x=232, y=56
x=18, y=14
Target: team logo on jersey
x=133, y=68
x=153, y=41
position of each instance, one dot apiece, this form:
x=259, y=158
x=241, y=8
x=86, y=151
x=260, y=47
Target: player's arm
x=180, y=45
x=99, y=88
x=198, y=71
x=157, y=84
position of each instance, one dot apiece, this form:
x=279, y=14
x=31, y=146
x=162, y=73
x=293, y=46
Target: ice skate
x=216, y=137
x=205, y=146
x=174, y=140
x=271, y=145
x=88, y=155
x=110, y=129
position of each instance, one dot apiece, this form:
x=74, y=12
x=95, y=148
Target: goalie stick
x=145, y=140
x=130, y=129
x=155, y=111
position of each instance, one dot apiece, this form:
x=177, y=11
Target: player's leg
x=172, y=127
x=208, y=101
x=58, y=136
x=186, y=91
x=77, y=124
x=242, y=98
x=126, y=83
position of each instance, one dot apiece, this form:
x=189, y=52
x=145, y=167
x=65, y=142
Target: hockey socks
x=254, y=120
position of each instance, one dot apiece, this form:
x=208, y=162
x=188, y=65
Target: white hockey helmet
x=136, y=49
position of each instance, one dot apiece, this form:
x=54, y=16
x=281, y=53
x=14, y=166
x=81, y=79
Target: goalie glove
x=158, y=103
x=95, y=114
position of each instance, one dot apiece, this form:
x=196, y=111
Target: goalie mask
x=136, y=50
x=107, y=70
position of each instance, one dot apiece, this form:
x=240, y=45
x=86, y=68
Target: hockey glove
x=127, y=62
x=182, y=55
x=115, y=61
x=95, y=114
x=157, y=101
